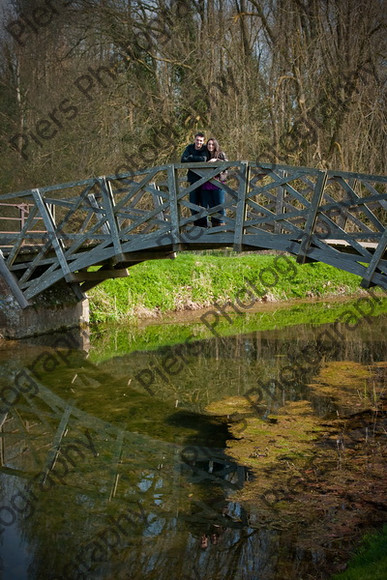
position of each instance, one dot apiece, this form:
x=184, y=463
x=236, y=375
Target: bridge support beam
x=56, y=309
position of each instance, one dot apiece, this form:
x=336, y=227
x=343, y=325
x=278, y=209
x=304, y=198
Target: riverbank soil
x=319, y=480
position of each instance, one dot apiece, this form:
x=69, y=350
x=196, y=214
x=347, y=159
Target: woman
x=214, y=194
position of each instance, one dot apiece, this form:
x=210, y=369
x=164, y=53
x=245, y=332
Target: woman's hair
x=217, y=149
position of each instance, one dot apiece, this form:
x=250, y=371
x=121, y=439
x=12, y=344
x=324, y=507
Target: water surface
x=129, y=459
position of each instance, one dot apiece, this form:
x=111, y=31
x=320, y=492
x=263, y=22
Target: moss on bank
x=194, y=281
x=318, y=479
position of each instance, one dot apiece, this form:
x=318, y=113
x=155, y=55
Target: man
x=195, y=153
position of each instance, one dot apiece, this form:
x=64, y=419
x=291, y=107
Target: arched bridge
x=117, y=221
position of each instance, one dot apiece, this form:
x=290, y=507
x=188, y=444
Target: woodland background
x=98, y=87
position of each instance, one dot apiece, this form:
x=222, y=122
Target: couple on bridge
x=207, y=195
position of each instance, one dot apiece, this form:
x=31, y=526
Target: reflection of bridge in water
x=115, y=222
x=58, y=461
x=67, y=475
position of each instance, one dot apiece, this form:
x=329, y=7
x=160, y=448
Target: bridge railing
x=118, y=220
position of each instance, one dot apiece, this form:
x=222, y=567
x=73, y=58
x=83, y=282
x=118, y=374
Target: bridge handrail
x=128, y=175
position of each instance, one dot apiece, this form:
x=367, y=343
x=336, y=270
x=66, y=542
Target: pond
x=164, y=452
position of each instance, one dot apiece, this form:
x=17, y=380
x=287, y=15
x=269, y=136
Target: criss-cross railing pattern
x=107, y=224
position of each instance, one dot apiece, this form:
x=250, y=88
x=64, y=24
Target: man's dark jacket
x=192, y=155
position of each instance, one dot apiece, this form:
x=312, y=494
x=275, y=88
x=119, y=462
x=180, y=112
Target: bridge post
x=108, y=202
x=312, y=216
x=173, y=189
x=378, y=254
x=51, y=231
x=12, y=283
x=240, y=217
x=279, y=202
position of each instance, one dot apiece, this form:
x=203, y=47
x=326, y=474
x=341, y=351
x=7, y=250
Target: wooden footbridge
x=87, y=231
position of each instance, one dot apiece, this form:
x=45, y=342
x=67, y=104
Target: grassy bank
x=370, y=561
x=194, y=281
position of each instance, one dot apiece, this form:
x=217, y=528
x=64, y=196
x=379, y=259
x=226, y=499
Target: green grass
x=197, y=281
x=118, y=339
x=370, y=562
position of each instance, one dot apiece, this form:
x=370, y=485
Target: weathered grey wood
x=101, y=274
x=48, y=188
x=174, y=209
x=279, y=204
x=136, y=188
x=349, y=265
x=240, y=217
x=312, y=215
x=50, y=226
x=383, y=203
x=273, y=214
x=338, y=233
x=105, y=227
x=375, y=261
x=144, y=217
x=12, y=283
x=108, y=202
x=361, y=202
x=284, y=182
x=20, y=238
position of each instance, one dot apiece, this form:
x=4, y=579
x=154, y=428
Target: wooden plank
x=16, y=246
x=350, y=264
x=99, y=213
x=90, y=258
x=343, y=209
x=284, y=182
x=359, y=202
x=355, y=175
x=101, y=274
x=50, y=226
x=130, y=175
x=87, y=237
x=244, y=174
x=375, y=261
x=347, y=206
x=173, y=188
x=157, y=200
x=338, y=233
x=136, y=187
x=145, y=216
x=270, y=218
x=371, y=189
x=56, y=187
x=312, y=216
x=111, y=218
x=279, y=203
x=12, y=283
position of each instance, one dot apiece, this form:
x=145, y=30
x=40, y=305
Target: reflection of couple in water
x=213, y=536
x=209, y=194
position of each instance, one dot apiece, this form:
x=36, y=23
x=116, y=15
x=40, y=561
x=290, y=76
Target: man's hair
x=200, y=134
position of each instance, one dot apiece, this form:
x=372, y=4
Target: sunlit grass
x=195, y=281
